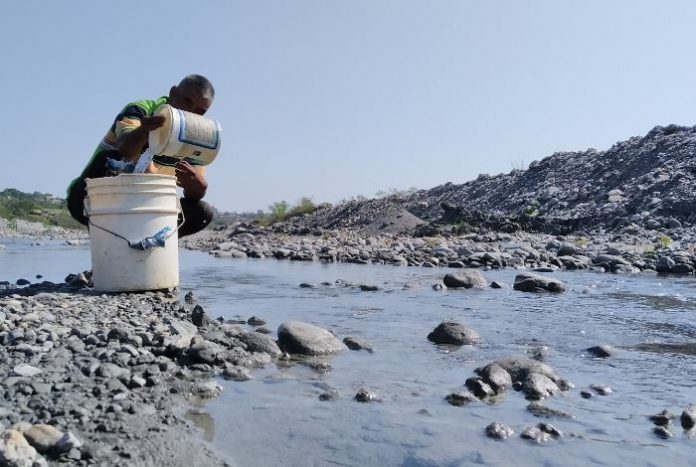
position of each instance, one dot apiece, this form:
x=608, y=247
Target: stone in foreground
x=301, y=338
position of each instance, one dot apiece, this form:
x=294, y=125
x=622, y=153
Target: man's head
x=193, y=94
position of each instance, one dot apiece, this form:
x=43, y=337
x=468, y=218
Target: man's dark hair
x=200, y=84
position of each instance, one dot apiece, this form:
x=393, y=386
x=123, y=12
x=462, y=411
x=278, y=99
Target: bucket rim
x=120, y=179
x=139, y=210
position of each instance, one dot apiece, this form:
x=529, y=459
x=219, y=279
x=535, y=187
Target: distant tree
x=278, y=210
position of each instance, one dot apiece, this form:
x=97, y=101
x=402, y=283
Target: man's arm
x=133, y=137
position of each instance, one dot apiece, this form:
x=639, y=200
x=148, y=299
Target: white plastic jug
x=125, y=209
x=186, y=135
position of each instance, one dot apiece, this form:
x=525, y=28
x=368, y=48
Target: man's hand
x=130, y=144
x=193, y=183
x=151, y=123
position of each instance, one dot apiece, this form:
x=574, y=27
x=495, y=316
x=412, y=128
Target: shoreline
x=631, y=250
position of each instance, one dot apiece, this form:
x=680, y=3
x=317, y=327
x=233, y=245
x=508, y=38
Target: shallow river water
x=278, y=419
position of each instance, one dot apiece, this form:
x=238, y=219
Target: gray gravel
x=104, y=379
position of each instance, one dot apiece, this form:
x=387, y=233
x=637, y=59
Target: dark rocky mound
x=647, y=181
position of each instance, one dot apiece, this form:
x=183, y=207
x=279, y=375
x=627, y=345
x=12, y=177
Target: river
x=277, y=418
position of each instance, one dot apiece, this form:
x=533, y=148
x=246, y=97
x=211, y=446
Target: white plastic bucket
x=129, y=208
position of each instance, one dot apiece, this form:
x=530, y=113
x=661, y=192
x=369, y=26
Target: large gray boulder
x=301, y=338
x=466, y=278
x=528, y=282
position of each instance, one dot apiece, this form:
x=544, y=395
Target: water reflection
x=659, y=302
x=687, y=348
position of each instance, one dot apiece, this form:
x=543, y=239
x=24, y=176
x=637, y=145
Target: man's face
x=188, y=99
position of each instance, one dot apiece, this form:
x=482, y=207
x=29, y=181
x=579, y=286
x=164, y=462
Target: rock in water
x=363, y=395
x=538, y=386
x=498, y=431
x=688, y=417
x=466, y=278
x=451, y=332
x=529, y=282
x=496, y=376
x=356, y=343
x=306, y=339
x=601, y=351
x=460, y=398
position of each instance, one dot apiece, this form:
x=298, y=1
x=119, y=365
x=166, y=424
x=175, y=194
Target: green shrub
x=532, y=209
x=664, y=241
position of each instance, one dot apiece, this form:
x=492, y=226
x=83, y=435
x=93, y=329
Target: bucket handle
x=158, y=239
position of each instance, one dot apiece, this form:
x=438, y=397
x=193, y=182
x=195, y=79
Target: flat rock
x=306, y=339
x=26, y=371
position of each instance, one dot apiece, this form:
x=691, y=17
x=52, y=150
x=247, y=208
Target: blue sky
x=331, y=99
